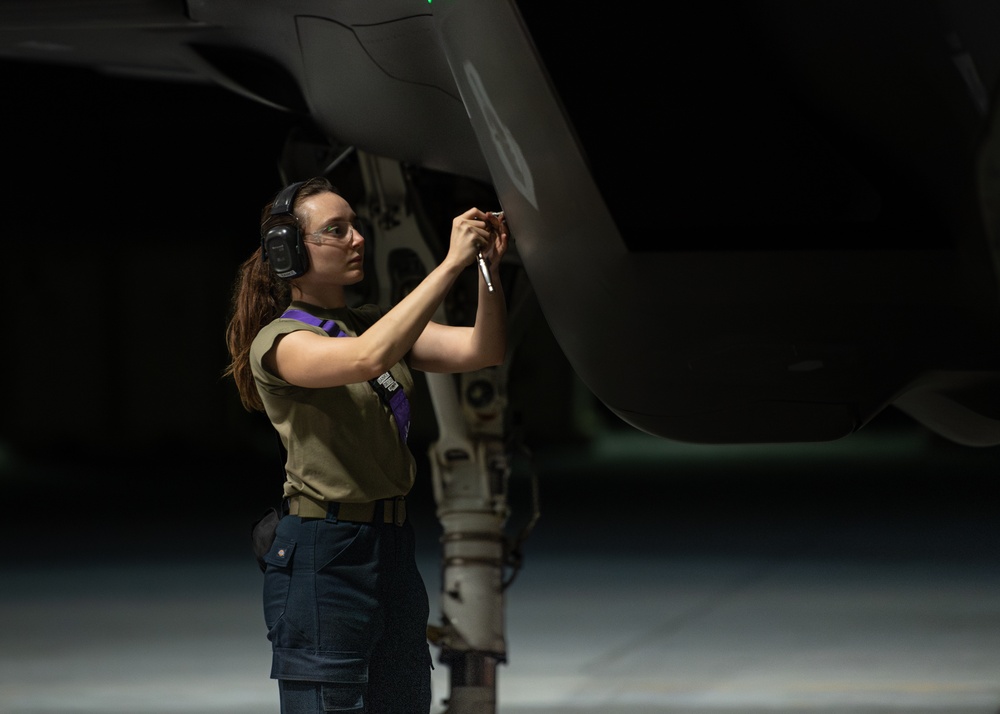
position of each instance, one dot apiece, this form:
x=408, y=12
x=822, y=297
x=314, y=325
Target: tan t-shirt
x=342, y=442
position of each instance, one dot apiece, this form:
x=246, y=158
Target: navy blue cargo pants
x=346, y=611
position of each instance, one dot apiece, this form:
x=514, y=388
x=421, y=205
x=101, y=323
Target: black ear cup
x=282, y=245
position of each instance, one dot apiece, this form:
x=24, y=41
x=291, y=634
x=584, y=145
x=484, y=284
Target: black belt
x=393, y=509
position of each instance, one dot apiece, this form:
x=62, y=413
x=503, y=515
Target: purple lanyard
x=386, y=386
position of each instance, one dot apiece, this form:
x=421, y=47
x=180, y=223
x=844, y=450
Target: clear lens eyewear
x=337, y=233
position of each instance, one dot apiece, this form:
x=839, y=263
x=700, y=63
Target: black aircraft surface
x=756, y=222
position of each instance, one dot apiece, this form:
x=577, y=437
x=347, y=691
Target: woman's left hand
x=496, y=224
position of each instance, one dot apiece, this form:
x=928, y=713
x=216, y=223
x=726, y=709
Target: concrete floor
x=851, y=592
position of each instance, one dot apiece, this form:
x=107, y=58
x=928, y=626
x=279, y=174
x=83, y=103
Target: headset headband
x=284, y=200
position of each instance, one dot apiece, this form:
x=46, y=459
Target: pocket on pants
x=277, y=579
x=343, y=698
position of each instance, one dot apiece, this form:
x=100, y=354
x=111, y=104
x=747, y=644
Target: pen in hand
x=484, y=264
x=484, y=268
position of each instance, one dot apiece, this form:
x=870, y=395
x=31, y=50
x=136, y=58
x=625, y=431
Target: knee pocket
x=343, y=697
x=303, y=695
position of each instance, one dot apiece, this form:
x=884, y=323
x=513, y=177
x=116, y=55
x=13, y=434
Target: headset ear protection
x=282, y=245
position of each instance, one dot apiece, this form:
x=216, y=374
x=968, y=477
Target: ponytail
x=259, y=296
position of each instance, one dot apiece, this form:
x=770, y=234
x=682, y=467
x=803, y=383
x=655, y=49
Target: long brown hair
x=260, y=296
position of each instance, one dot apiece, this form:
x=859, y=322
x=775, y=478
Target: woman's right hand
x=470, y=234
